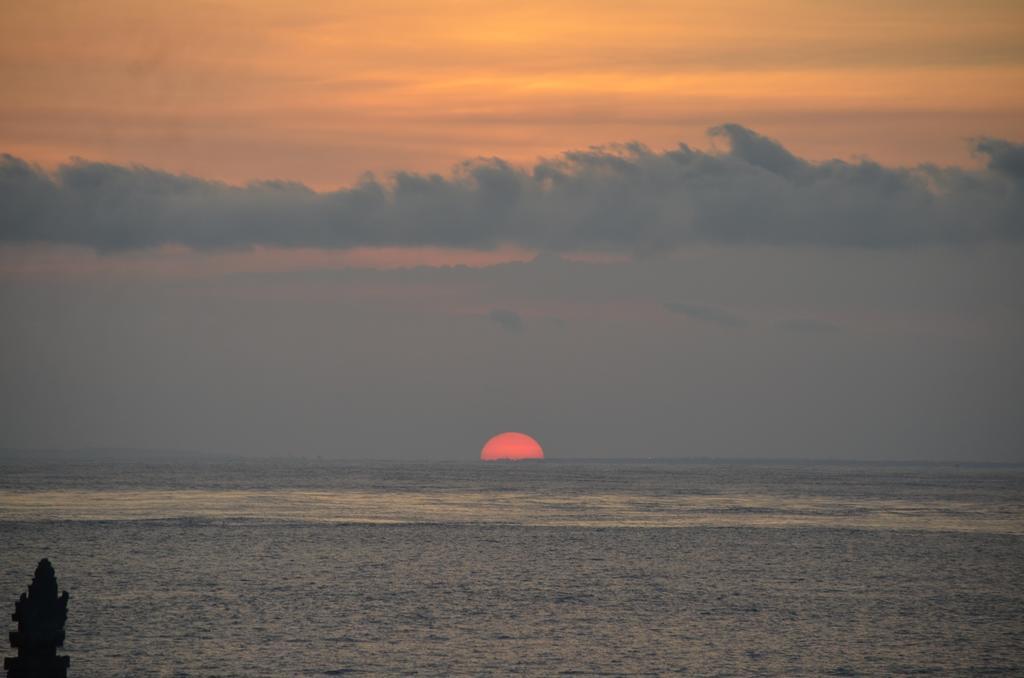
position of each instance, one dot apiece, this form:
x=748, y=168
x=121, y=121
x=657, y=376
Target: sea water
x=263, y=568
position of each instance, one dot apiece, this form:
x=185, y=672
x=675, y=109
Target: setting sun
x=511, y=447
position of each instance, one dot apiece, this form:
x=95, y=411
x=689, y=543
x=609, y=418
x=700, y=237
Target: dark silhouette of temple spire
x=40, y=616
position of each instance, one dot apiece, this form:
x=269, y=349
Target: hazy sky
x=393, y=229
x=321, y=92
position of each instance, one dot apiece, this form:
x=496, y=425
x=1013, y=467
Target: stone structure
x=40, y=616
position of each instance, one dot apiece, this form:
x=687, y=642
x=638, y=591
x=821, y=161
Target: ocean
x=314, y=568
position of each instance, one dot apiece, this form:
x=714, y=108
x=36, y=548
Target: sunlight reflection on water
x=513, y=507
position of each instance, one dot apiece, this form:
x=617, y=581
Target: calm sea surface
x=326, y=568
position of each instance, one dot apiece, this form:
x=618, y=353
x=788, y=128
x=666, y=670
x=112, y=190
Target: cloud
x=1003, y=157
x=760, y=151
x=621, y=198
x=709, y=314
x=510, y=321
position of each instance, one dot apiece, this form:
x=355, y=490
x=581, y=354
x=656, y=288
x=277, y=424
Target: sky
x=391, y=230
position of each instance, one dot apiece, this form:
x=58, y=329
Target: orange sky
x=321, y=91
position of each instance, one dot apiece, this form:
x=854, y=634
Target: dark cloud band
x=619, y=198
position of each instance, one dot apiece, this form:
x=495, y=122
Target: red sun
x=512, y=447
